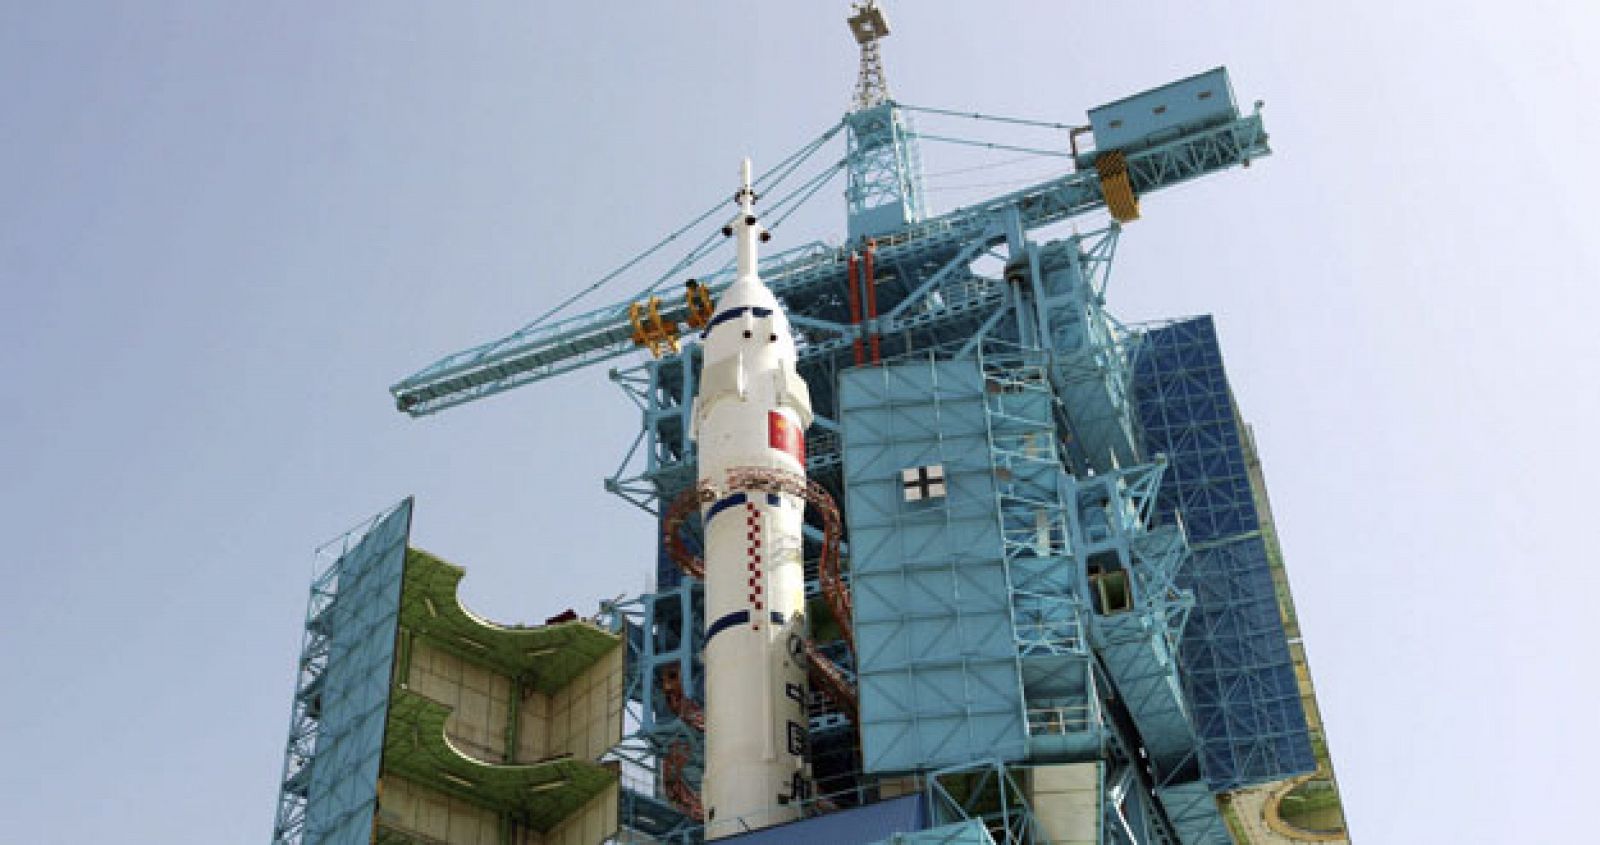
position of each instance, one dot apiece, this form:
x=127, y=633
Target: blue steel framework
x=663, y=632
x=1237, y=667
x=1029, y=615
x=330, y=773
x=883, y=188
x=1087, y=581
x=981, y=798
x=932, y=600
x=884, y=192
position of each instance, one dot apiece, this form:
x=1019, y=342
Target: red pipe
x=871, y=283
x=855, y=310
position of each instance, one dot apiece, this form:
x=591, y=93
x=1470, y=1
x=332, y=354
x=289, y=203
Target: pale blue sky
x=226, y=227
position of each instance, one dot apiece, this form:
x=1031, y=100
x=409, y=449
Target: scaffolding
x=329, y=787
x=938, y=670
x=1237, y=667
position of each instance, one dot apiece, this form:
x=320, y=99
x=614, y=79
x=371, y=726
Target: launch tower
x=1059, y=612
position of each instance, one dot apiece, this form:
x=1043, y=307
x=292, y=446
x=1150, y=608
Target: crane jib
x=604, y=334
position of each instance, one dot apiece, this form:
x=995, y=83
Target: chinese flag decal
x=785, y=436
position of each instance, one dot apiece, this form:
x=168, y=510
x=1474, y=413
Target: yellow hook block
x=1115, y=186
x=649, y=330
x=698, y=297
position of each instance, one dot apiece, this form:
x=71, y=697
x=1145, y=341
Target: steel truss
x=546, y=349
x=1238, y=673
x=330, y=774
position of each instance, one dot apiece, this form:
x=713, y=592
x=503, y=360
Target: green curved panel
x=542, y=793
x=549, y=656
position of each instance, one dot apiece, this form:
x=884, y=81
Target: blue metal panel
x=1140, y=662
x=344, y=694
x=1234, y=653
x=971, y=832
x=1193, y=811
x=1044, y=561
x=1088, y=372
x=1160, y=114
x=873, y=823
x=937, y=657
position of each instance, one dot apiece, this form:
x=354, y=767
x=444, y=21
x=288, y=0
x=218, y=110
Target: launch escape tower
x=1070, y=618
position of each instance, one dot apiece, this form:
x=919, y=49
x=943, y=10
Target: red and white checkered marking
x=752, y=522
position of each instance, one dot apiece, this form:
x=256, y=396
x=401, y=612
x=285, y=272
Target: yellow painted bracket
x=700, y=307
x=649, y=330
x=1115, y=186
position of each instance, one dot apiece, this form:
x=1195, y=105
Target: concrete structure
x=417, y=722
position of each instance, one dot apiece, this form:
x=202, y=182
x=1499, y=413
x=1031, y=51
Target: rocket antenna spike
x=747, y=188
x=746, y=198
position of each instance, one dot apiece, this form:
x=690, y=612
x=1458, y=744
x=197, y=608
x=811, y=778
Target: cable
x=773, y=177
x=788, y=166
x=991, y=146
x=1010, y=183
x=810, y=189
x=990, y=166
x=1018, y=121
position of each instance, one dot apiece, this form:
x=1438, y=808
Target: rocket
x=750, y=418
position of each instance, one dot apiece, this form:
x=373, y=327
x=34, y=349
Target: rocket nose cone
x=747, y=292
x=749, y=319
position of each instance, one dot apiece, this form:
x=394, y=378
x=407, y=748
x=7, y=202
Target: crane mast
x=869, y=25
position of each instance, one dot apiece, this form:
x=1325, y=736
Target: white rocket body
x=751, y=413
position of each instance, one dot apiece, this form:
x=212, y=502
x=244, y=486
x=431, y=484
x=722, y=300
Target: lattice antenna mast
x=884, y=193
x=869, y=26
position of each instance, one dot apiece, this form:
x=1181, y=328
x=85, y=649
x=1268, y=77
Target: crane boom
x=542, y=351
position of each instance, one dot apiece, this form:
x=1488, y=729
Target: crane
x=802, y=275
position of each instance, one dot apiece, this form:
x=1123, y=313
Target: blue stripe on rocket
x=738, y=617
x=732, y=313
x=726, y=502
